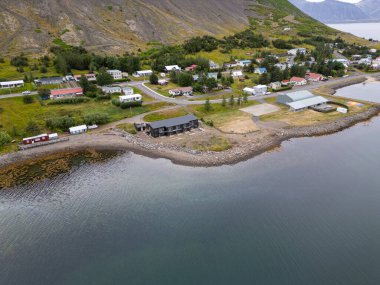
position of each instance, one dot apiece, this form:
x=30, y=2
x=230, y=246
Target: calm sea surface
x=307, y=214
x=363, y=91
x=364, y=30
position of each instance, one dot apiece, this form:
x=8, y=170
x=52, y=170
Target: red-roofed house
x=298, y=81
x=285, y=82
x=315, y=77
x=66, y=93
x=192, y=67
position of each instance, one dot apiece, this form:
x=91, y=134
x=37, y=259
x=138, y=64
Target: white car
x=26, y=93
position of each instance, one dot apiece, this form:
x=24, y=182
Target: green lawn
x=15, y=115
x=9, y=72
x=167, y=114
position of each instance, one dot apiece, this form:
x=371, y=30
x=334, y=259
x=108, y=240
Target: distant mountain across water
x=334, y=11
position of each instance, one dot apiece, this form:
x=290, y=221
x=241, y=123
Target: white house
x=128, y=90
x=244, y=62
x=12, y=84
x=170, y=68
x=163, y=82
x=130, y=98
x=249, y=91
x=365, y=61
x=298, y=81
x=116, y=74
x=260, y=89
x=111, y=89
x=213, y=65
x=295, y=51
x=230, y=64
x=143, y=73
x=237, y=73
x=78, y=130
x=184, y=91
x=275, y=85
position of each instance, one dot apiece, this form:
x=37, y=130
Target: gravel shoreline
x=258, y=144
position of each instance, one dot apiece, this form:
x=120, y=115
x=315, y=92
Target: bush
x=130, y=104
x=4, y=138
x=75, y=100
x=103, y=97
x=97, y=119
x=60, y=123
x=27, y=99
x=32, y=128
x=116, y=102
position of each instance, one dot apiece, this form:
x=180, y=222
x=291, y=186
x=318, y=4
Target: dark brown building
x=172, y=126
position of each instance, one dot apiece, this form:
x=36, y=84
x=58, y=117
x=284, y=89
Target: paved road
x=141, y=85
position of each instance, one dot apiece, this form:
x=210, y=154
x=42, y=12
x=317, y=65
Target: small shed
x=78, y=130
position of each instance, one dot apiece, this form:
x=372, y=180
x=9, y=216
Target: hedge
x=75, y=100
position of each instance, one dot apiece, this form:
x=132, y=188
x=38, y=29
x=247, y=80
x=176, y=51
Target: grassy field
x=163, y=90
x=129, y=128
x=228, y=119
x=9, y=72
x=166, y=114
x=15, y=115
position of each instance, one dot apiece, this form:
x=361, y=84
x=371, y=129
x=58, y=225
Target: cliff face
x=118, y=25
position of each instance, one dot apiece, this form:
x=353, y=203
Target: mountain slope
x=125, y=25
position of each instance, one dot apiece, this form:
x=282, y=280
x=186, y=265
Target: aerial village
x=261, y=85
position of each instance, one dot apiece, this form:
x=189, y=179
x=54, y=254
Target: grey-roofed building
x=294, y=96
x=172, y=126
x=49, y=80
x=307, y=103
x=111, y=89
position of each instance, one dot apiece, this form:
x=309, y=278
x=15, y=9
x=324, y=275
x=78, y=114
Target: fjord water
x=363, y=91
x=306, y=214
x=363, y=30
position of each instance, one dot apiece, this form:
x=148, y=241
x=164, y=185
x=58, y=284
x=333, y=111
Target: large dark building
x=172, y=126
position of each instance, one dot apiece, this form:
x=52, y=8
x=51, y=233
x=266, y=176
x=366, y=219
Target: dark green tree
x=153, y=79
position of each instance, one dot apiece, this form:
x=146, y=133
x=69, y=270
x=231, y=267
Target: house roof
x=48, y=79
x=66, y=91
x=300, y=95
x=78, y=128
x=35, y=137
x=314, y=75
x=173, y=122
x=309, y=102
x=297, y=79
x=113, y=71
x=12, y=82
x=171, y=67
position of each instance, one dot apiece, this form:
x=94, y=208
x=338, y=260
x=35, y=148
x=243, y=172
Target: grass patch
x=16, y=115
x=166, y=114
x=214, y=143
x=129, y=128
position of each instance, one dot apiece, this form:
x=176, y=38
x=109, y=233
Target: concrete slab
x=260, y=110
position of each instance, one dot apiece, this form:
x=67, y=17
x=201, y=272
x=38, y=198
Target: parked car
x=26, y=93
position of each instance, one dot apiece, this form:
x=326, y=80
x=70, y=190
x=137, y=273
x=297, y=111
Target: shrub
x=27, y=99
x=98, y=119
x=61, y=123
x=116, y=102
x=4, y=138
x=75, y=100
x=103, y=97
x=32, y=128
x=130, y=104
